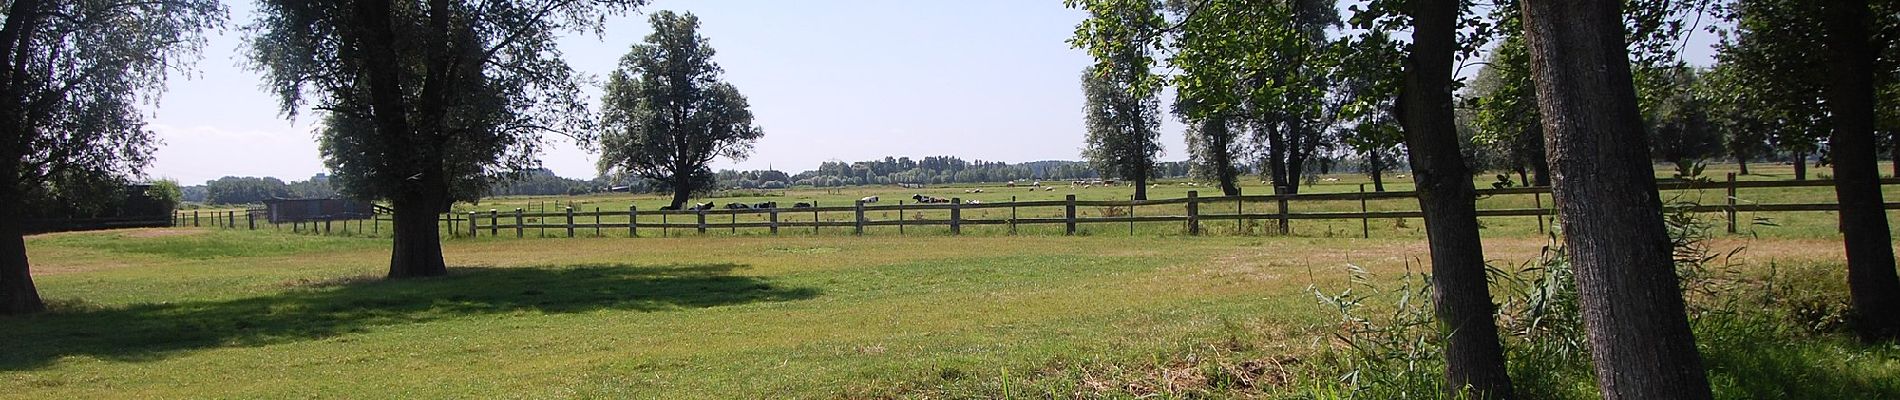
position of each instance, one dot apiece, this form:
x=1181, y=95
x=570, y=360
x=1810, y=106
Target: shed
x=297, y=210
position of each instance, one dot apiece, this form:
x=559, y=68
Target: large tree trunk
x=1461, y=297
x=1605, y=190
x=417, y=247
x=1223, y=155
x=418, y=234
x=1540, y=172
x=1894, y=147
x=1801, y=165
x=1141, y=185
x=1376, y=162
x=1871, y=281
x=1276, y=160
x=17, y=293
x=681, y=193
x=1742, y=161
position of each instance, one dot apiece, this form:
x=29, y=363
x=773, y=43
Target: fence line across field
x=568, y=219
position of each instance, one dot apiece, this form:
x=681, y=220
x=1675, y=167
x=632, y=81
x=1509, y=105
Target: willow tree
x=1605, y=190
x=73, y=77
x=667, y=113
x=1122, y=112
x=425, y=103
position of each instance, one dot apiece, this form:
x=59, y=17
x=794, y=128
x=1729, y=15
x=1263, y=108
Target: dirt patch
x=163, y=232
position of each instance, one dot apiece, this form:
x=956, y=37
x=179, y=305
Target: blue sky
x=835, y=79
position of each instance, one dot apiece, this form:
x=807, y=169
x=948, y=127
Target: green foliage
x=667, y=113
x=78, y=74
x=1120, y=105
x=166, y=192
x=476, y=84
x=1122, y=128
x=1678, y=119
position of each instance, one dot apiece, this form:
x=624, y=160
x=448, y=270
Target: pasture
x=215, y=313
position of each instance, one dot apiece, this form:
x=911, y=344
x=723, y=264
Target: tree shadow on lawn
x=143, y=332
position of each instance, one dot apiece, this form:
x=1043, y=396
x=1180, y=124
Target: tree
x=1370, y=74
x=1605, y=190
x=425, y=103
x=1123, y=115
x=1474, y=360
x=1733, y=115
x=668, y=114
x=1769, y=54
x=74, y=75
x=244, y=190
x=1506, y=104
x=1872, y=282
x=1122, y=130
x=1678, y=121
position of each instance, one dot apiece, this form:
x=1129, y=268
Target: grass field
x=208, y=313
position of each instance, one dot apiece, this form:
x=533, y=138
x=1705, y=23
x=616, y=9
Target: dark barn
x=298, y=210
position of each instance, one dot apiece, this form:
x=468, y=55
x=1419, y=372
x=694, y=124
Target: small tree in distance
x=667, y=114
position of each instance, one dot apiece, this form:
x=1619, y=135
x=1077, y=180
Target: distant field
x=209, y=313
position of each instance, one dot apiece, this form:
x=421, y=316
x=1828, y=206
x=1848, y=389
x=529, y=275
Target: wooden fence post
x=702, y=221
x=773, y=216
x=900, y=218
x=230, y=218
x=735, y=221
x=858, y=229
x=1068, y=216
x=1730, y=210
x=1281, y=196
x=570, y=220
x=472, y=226
x=633, y=221
x=1012, y=215
x=326, y=227
x=1194, y=212
x=1365, y=225
x=597, y=222
x=194, y=218
x=814, y=217
x=956, y=216
x=518, y=228
x=1131, y=215
x=250, y=219
x=1238, y=211
x=494, y=219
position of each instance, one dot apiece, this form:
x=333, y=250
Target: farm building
x=296, y=210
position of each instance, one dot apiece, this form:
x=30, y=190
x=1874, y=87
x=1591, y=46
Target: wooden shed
x=297, y=210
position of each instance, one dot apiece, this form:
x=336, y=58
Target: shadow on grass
x=314, y=311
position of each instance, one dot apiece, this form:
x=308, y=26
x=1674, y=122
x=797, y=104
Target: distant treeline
x=251, y=190
x=948, y=169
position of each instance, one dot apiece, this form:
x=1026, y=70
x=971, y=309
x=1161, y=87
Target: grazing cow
x=1108, y=183
x=669, y=207
x=974, y=202
x=868, y=199
x=766, y=205
x=801, y=205
x=737, y=206
x=701, y=207
x=1048, y=188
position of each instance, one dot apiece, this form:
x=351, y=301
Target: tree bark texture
x=18, y=295
x=1872, y=283
x=1605, y=190
x=1461, y=298
x=417, y=249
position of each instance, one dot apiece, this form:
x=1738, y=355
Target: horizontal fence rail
x=571, y=222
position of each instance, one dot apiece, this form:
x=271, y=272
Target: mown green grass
x=206, y=313
x=666, y=318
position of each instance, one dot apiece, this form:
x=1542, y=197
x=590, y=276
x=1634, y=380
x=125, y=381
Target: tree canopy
x=668, y=113
x=426, y=102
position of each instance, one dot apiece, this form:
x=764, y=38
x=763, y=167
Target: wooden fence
x=568, y=221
